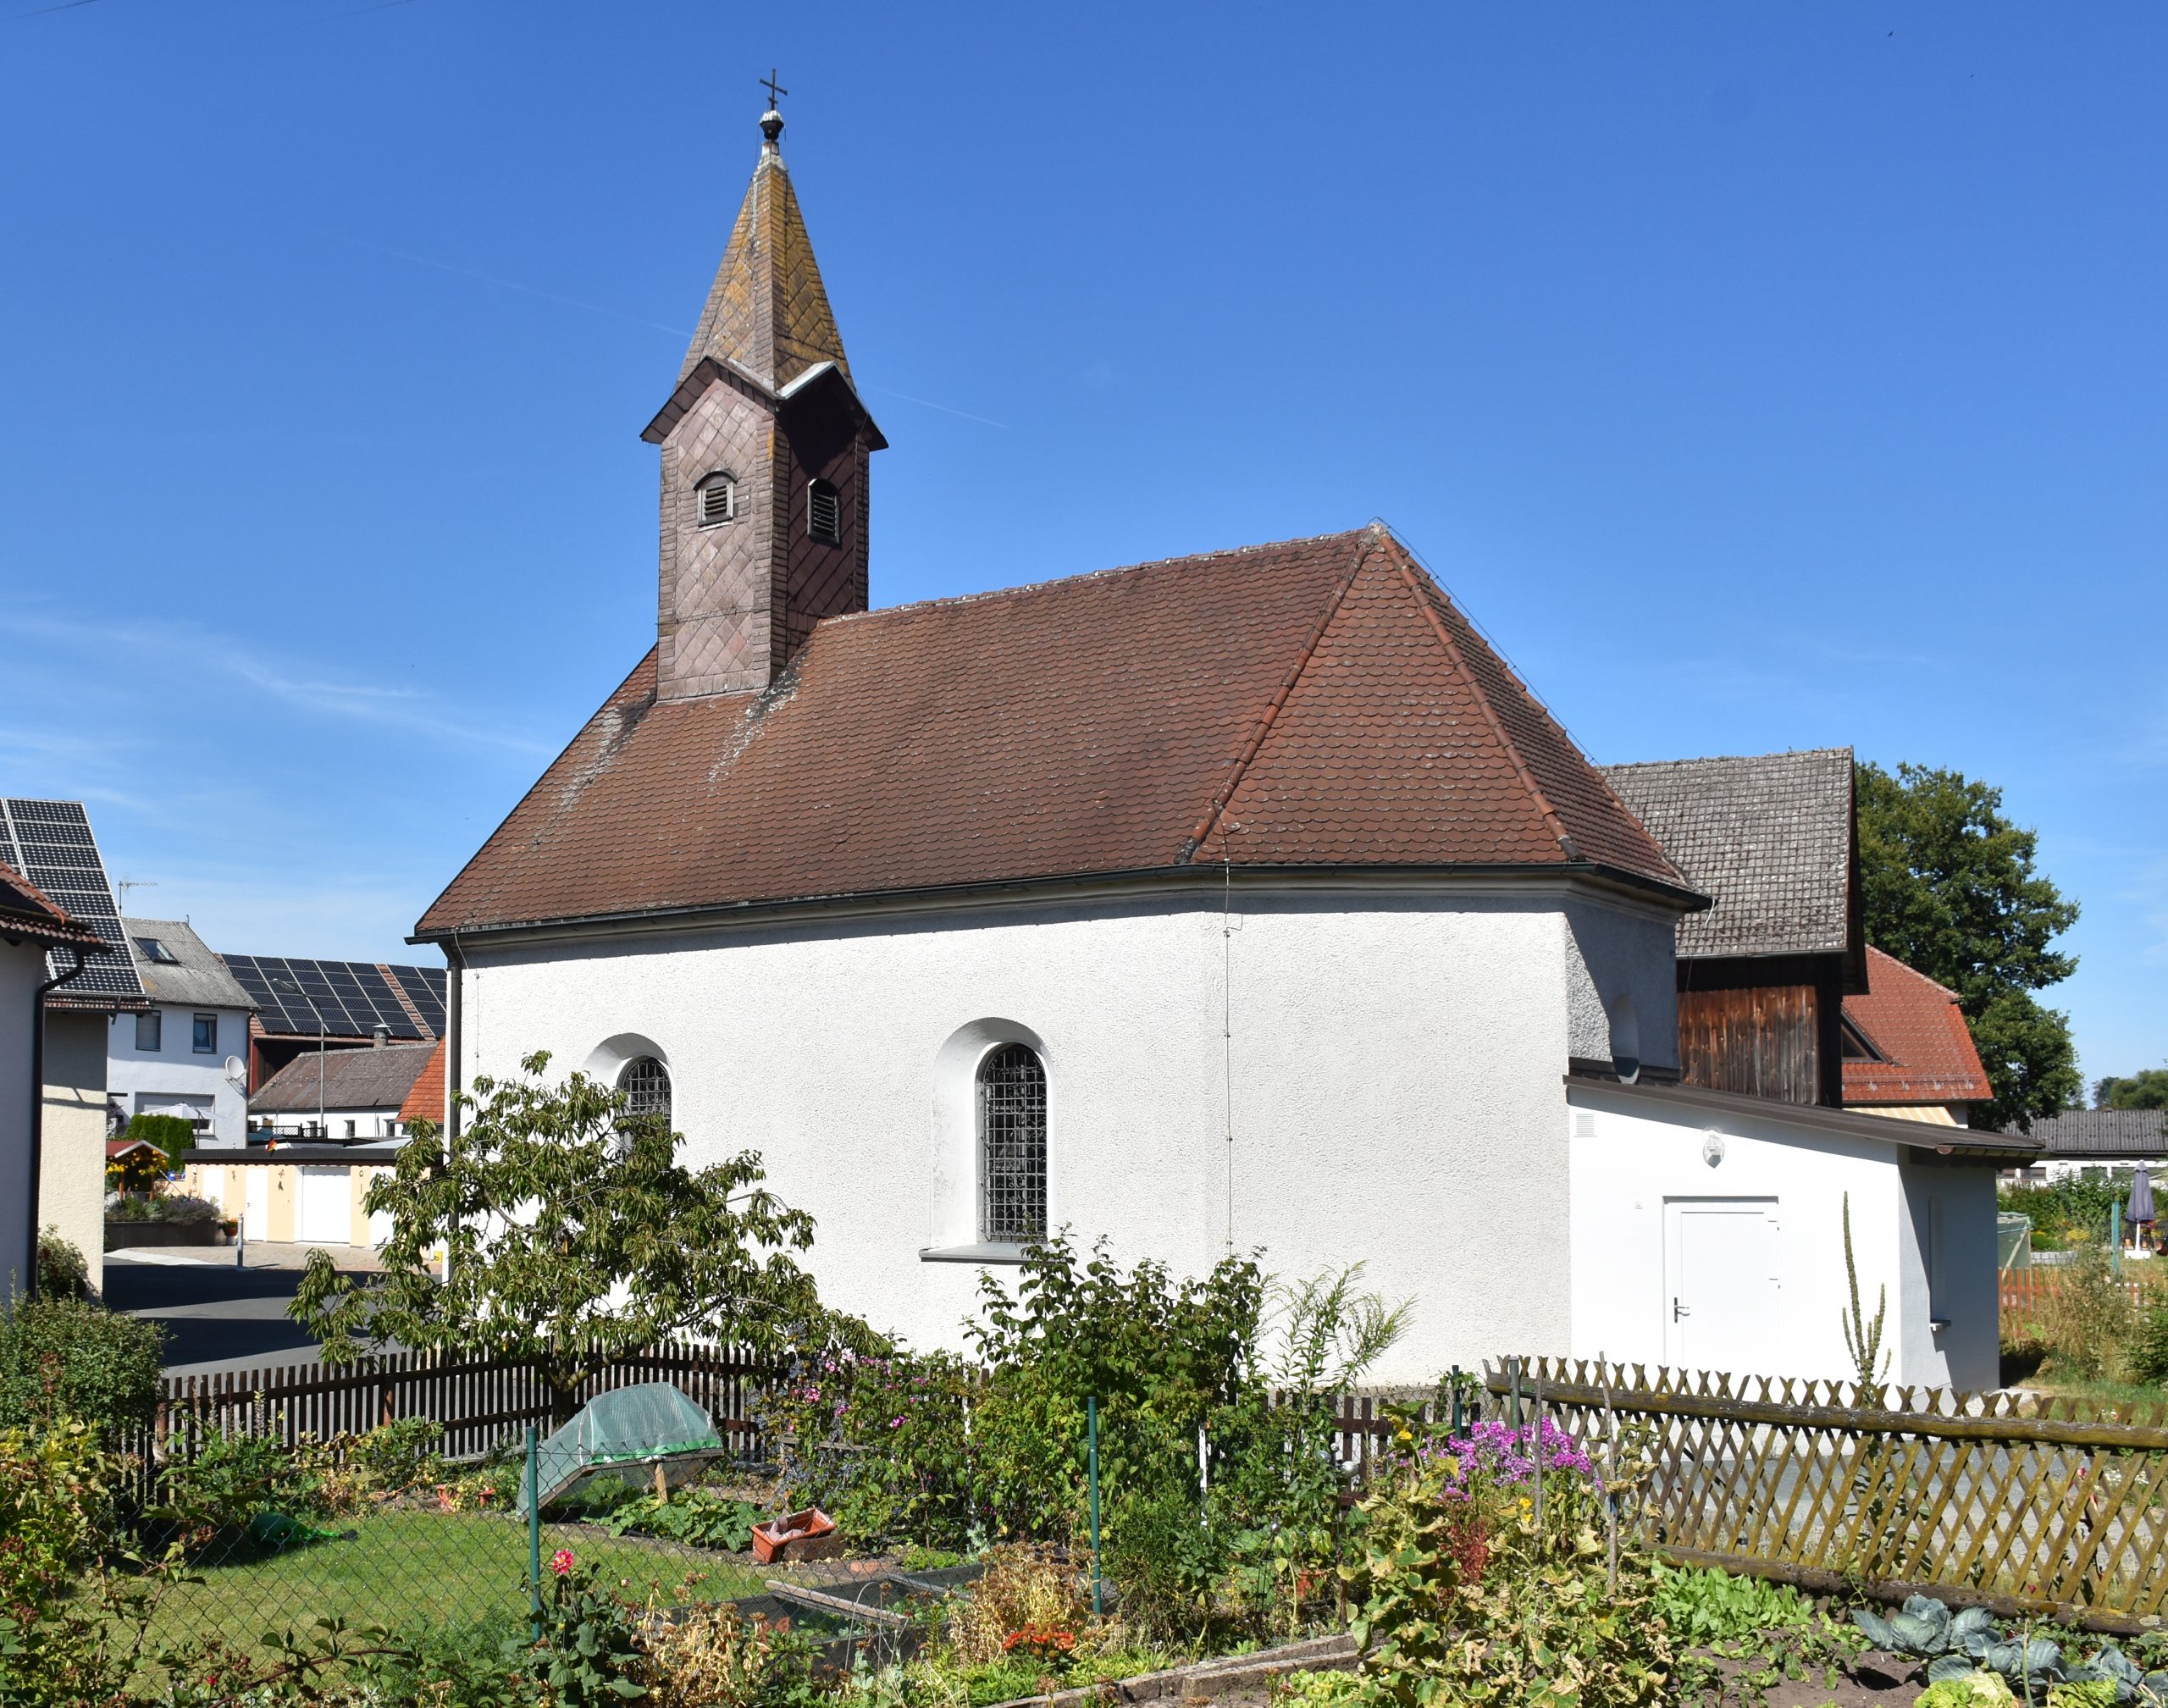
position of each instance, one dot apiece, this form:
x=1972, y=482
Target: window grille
x=718, y=499
x=1012, y=1146
x=824, y=512
x=645, y=1083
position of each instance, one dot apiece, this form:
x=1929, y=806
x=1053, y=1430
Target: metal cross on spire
x=774, y=89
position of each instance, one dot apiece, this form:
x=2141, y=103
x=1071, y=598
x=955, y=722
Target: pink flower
x=895, y=1422
x=560, y=1562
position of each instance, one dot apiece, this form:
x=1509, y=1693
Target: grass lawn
x=418, y=1568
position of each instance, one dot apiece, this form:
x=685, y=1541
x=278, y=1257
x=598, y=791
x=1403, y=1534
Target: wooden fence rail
x=2014, y=1503
x=481, y=1402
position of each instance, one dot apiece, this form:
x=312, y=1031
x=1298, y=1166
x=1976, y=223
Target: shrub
x=179, y=1207
x=587, y=1654
x=239, y=1490
x=713, y=1657
x=63, y=1271
x=2087, y=1319
x=71, y=1357
x=1021, y=1589
x=1465, y=1593
x=480, y=1664
x=2147, y=1355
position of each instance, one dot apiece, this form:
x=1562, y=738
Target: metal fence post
x=533, y=1535
x=1092, y=1457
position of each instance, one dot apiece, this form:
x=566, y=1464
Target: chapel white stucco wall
x=1629, y=1160
x=1397, y=1092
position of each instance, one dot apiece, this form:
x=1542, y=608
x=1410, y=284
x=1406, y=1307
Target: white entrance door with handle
x=1722, y=1281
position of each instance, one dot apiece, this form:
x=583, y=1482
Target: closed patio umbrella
x=2139, y=1211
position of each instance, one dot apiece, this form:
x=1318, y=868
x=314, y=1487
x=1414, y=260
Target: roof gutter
x=37, y=1112
x=1191, y=875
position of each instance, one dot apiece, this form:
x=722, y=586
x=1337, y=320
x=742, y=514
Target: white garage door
x=1720, y=1283
x=323, y=1207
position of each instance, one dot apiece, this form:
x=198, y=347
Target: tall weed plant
x=2088, y=1320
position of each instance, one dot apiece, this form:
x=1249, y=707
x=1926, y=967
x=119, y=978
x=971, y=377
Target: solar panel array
x=49, y=841
x=353, y=997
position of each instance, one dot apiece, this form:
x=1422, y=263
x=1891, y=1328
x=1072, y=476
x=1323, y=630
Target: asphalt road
x=214, y=1314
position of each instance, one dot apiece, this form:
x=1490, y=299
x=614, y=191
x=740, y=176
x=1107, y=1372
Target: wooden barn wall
x=1763, y=1041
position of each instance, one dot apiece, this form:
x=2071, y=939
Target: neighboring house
x=344, y=1095
x=34, y=932
x=49, y=842
x=2080, y=1139
x=1764, y=973
x=353, y=1003
x=1240, y=901
x=425, y=1103
x=1908, y=1052
x=184, y=1054
x=300, y=1179
x=312, y=1194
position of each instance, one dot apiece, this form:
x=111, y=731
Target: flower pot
x=807, y=1535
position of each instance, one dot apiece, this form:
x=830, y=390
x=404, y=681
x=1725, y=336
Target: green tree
x=169, y=1133
x=573, y=1234
x=2146, y=1089
x=1951, y=891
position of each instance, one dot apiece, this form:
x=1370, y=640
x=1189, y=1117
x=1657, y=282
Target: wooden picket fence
x=482, y=1402
x=2026, y=1294
x=2014, y=1502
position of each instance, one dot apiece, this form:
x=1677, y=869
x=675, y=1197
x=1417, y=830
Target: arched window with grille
x=1012, y=1087
x=645, y=1083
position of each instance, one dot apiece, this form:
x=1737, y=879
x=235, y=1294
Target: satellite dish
x=237, y=1073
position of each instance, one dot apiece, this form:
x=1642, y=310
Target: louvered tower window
x=645, y=1083
x=718, y=496
x=1012, y=1147
x=824, y=511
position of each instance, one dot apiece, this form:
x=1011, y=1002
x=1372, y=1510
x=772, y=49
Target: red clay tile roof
x=1319, y=702
x=26, y=911
x=425, y=1103
x=1916, y=1023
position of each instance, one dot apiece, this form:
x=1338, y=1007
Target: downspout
x=37, y=1109
x=454, y=981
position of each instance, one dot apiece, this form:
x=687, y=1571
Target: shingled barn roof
x=379, y=1078
x=1769, y=837
x=1915, y=1025
x=1316, y=703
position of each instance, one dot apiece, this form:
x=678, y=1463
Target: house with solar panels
x=87, y=991
x=182, y=1055
x=1246, y=901
x=298, y=1004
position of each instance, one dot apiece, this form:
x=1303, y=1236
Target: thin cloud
x=416, y=710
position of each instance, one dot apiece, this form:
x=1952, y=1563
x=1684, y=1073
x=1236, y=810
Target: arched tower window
x=645, y=1083
x=1012, y=1146
x=824, y=511
x=718, y=498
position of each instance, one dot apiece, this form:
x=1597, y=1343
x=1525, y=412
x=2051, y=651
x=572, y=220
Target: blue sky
x=1759, y=377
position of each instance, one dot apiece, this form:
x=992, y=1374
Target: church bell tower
x=765, y=455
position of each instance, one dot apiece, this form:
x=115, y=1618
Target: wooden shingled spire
x=768, y=311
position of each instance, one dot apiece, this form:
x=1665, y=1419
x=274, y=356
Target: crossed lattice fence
x=2018, y=1502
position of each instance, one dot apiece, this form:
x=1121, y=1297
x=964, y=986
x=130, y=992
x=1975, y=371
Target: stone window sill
x=988, y=1252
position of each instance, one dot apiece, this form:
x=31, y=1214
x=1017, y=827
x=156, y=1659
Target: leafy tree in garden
x=2146, y=1089
x=574, y=1235
x=1951, y=891
x=169, y=1133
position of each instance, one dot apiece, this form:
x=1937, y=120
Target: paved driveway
x=215, y=1316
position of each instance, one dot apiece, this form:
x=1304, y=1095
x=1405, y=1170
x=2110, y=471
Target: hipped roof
x=1916, y=1026
x=1318, y=702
